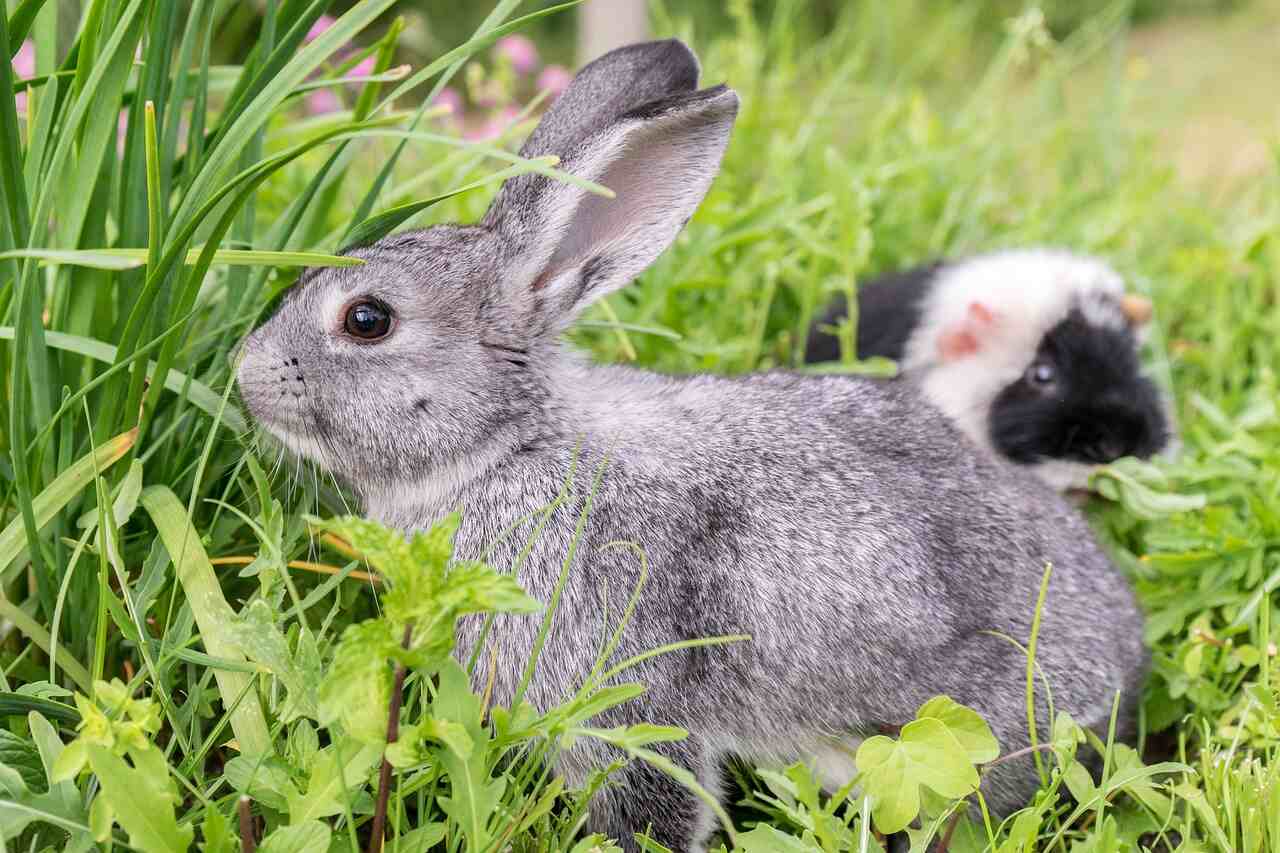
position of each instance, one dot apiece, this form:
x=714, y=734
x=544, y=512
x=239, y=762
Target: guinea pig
x=1033, y=353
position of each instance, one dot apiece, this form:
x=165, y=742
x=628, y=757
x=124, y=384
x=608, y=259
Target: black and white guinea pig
x=1032, y=352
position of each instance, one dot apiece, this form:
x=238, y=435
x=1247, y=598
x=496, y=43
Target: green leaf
x=265, y=780
x=141, y=800
x=966, y=725
x=338, y=772
x=309, y=837
x=768, y=839
x=216, y=830
x=474, y=796
x=98, y=259
x=893, y=771
x=59, y=493
x=255, y=631
x=1130, y=482
x=380, y=225
x=201, y=395
x=356, y=690
x=126, y=259
x=423, y=838
x=19, y=807
x=18, y=703
x=21, y=756
x=213, y=615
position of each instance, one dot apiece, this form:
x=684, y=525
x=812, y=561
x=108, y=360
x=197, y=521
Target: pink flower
x=24, y=61
x=519, y=51
x=449, y=98
x=493, y=127
x=317, y=29
x=24, y=65
x=554, y=79
x=363, y=68
x=320, y=101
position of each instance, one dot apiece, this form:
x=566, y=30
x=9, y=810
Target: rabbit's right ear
x=632, y=121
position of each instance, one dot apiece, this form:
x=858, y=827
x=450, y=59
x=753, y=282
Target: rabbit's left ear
x=564, y=247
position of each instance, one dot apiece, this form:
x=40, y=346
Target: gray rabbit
x=872, y=566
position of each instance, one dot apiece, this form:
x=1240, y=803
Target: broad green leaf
x=1130, y=482
x=309, y=837
x=356, y=690
x=474, y=795
x=1022, y=836
x=21, y=756
x=265, y=780
x=216, y=830
x=257, y=635
x=925, y=754
x=452, y=735
x=141, y=802
x=213, y=615
x=334, y=780
x=768, y=839
x=423, y=838
x=19, y=807
x=966, y=725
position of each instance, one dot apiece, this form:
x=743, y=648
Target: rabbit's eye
x=367, y=321
x=1041, y=373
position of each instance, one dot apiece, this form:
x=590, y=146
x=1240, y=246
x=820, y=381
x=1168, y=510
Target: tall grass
x=154, y=207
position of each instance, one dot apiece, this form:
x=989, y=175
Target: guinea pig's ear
x=1137, y=309
x=632, y=121
x=967, y=336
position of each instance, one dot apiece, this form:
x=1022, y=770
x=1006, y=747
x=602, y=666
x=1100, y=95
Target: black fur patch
x=889, y=310
x=1098, y=408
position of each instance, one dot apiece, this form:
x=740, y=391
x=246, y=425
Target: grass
x=142, y=539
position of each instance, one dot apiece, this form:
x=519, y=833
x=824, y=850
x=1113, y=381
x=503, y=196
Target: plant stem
x=247, y=844
x=944, y=843
x=393, y=734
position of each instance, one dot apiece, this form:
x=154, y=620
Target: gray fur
x=868, y=564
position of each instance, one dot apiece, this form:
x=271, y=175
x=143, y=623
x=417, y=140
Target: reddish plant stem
x=393, y=734
x=247, y=844
x=944, y=843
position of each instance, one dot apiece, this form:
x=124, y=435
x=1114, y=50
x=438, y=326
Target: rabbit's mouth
x=296, y=438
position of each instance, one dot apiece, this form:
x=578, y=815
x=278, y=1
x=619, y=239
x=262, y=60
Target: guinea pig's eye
x=1041, y=373
x=367, y=321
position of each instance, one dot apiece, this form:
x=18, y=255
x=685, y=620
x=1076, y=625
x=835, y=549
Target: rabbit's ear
x=564, y=247
x=611, y=86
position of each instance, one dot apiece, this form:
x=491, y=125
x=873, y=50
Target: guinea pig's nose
x=1110, y=448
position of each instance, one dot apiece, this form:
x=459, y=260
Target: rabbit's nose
x=292, y=379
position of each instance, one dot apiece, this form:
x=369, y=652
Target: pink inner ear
x=965, y=338
x=957, y=344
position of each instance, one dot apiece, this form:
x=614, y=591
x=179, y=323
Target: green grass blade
x=363, y=210
x=379, y=226
x=20, y=22
x=260, y=110
x=201, y=396
x=51, y=501
x=213, y=616
x=38, y=634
